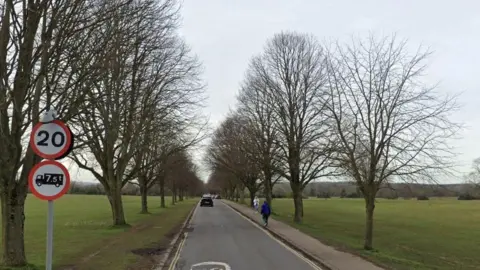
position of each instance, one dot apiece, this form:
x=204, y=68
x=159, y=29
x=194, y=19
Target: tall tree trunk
x=174, y=192
x=298, y=203
x=369, y=209
x=180, y=195
x=252, y=190
x=268, y=188
x=12, y=199
x=13, y=223
x=115, y=199
x=242, y=195
x=143, y=194
x=162, y=192
x=252, y=197
x=269, y=199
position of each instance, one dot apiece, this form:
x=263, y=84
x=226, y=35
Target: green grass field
x=408, y=234
x=82, y=226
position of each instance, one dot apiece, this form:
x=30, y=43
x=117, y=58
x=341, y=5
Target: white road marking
x=182, y=243
x=177, y=254
x=303, y=258
x=224, y=265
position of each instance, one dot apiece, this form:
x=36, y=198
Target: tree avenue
x=118, y=73
x=357, y=110
x=129, y=87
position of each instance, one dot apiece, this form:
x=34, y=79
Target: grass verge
x=84, y=238
x=408, y=234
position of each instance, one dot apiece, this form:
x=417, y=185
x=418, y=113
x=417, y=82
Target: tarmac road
x=222, y=239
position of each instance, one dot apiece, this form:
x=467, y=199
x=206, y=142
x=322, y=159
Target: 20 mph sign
x=49, y=180
x=50, y=140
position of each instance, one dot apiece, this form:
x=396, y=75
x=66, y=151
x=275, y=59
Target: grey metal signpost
x=49, y=180
x=49, y=258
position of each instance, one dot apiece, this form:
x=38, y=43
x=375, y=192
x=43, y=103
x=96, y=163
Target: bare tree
x=167, y=136
x=177, y=124
x=181, y=170
x=40, y=66
x=149, y=79
x=158, y=142
x=388, y=123
x=184, y=133
x=189, y=183
x=166, y=139
x=472, y=180
x=228, y=151
x=146, y=163
x=188, y=179
x=256, y=111
x=124, y=96
x=293, y=70
x=223, y=180
x=476, y=171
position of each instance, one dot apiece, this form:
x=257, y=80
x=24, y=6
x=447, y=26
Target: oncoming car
x=206, y=200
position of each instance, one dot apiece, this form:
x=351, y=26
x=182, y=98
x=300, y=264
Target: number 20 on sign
x=50, y=140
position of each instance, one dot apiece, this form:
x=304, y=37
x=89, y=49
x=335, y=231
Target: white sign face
x=211, y=266
x=49, y=180
x=50, y=140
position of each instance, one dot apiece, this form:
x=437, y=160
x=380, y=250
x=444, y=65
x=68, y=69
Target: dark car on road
x=206, y=200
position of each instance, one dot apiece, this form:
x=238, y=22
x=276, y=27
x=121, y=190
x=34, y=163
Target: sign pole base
x=48, y=264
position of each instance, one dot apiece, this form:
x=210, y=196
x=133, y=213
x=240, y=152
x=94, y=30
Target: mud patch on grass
x=150, y=255
x=129, y=230
x=149, y=251
x=138, y=247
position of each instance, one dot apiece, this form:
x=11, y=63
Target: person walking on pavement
x=256, y=202
x=265, y=213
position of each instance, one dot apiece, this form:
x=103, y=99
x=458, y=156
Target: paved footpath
x=330, y=257
x=220, y=238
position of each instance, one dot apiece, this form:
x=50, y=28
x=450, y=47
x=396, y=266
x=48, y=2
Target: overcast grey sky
x=226, y=33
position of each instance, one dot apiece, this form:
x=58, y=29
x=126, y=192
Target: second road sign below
x=49, y=180
x=51, y=140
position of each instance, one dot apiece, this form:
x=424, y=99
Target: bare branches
x=359, y=109
x=388, y=122
x=230, y=150
x=287, y=82
x=145, y=98
x=258, y=115
x=44, y=54
x=294, y=72
x=473, y=178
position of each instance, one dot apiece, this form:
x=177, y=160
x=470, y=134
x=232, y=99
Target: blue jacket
x=265, y=209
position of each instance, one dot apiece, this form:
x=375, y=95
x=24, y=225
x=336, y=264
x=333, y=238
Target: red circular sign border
x=61, y=152
x=33, y=188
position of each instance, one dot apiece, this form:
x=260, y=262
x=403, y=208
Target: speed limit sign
x=51, y=140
